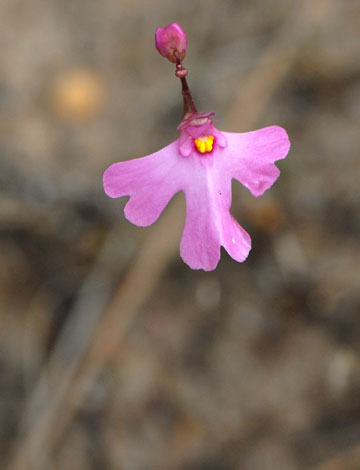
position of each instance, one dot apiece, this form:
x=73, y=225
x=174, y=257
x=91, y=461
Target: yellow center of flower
x=204, y=144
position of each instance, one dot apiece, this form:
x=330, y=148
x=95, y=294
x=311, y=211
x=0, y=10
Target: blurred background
x=113, y=353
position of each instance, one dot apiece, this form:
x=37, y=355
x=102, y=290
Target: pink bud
x=171, y=40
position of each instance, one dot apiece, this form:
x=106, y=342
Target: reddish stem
x=185, y=90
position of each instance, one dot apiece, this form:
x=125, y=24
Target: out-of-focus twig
x=68, y=378
x=65, y=372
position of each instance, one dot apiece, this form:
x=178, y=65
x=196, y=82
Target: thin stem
x=187, y=96
x=189, y=104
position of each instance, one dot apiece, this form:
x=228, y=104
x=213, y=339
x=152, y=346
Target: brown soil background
x=113, y=353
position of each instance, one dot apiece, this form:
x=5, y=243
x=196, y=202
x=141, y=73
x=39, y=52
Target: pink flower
x=201, y=162
x=171, y=41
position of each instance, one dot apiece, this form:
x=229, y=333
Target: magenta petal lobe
x=252, y=155
x=235, y=239
x=149, y=181
x=209, y=224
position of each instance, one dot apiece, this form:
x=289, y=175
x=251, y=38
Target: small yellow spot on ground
x=77, y=94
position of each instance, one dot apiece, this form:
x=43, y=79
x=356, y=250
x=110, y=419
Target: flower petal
x=186, y=144
x=252, y=155
x=235, y=239
x=200, y=244
x=150, y=182
x=208, y=223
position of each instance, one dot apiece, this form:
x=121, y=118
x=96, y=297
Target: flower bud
x=171, y=41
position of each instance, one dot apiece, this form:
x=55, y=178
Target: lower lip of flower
x=204, y=144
